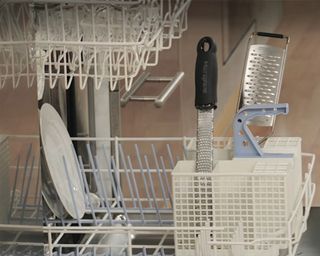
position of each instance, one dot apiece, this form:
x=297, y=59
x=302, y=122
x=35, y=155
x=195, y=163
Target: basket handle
x=206, y=74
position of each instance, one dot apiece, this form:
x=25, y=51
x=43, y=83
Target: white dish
x=117, y=242
x=57, y=147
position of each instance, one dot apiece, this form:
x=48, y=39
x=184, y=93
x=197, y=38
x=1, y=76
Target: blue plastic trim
x=245, y=145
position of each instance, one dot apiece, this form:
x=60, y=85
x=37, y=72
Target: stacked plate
x=62, y=182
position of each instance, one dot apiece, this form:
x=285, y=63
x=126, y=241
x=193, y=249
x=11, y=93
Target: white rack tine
x=2, y=82
x=71, y=190
x=81, y=178
x=159, y=175
x=159, y=248
x=16, y=81
x=84, y=83
x=107, y=202
x=143, y=175
x=13, y=195
x=27, y=66
x=111, y=176
x=144, y=251
x=25, y=170
x=152, y=188
x=86, y=186
x=39, y=215
x=56, y=77
x=68, y=84
x=117, y=175
x=26, y=194
x=61, y=212
x=94, y=172
x=170, y=156
x=123, y=160
x=166, y=180
x=99, y=83
x=12, y=245
x=136, y=188
x=38, y=188
x=162, y=252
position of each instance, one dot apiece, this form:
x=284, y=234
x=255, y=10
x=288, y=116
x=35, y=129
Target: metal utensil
x=205, y=102
x=263, y=72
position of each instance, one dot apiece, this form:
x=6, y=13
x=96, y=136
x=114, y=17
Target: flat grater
x=263, y=72
x=205, y=102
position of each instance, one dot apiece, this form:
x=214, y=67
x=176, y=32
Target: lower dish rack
x=157, y=205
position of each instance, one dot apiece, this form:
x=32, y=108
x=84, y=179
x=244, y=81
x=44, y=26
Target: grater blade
x=204, y=159
x=263, y=73
x=263, y=76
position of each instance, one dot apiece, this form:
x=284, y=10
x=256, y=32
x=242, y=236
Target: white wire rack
x=105, y=42
x=135, y=182
x=260, y=205
x=137, y=241
x=141, y=167
x=250, y=214
x=24, y=181
x=140, y=177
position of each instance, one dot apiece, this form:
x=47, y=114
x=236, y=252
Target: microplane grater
x=205, y=102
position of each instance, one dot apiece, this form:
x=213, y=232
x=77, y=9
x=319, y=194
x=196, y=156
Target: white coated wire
x=109, y=42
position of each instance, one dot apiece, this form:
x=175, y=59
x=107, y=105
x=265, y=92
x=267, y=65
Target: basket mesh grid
x=255, y=203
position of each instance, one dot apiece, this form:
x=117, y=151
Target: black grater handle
x=274, y=35
x=206, y=75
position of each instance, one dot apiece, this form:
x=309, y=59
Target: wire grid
x=15, y=62
x=20, y=240
x=104, y=43
x=142, y=194
x=21, y=249
x=129, y=241
x=4, y=183
x=143, y=201
x=25, y=182
x=140, y=167
x=24, y=207
x=257, y=201
x=145, y=160
x=208, y=244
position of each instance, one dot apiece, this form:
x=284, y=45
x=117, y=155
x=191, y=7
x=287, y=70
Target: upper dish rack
x=106, y=41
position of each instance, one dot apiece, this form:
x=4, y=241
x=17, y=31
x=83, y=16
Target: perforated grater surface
x=204, y=161
x=262, y=78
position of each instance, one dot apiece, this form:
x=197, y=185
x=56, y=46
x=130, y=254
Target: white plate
x=57, y=146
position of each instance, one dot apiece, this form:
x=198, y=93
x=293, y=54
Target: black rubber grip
x=206, y=74
x=266, y=34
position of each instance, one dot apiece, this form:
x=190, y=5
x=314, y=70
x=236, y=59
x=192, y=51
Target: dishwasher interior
x=103, y=194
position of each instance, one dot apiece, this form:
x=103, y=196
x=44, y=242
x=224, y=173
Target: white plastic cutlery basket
x=246, y=206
